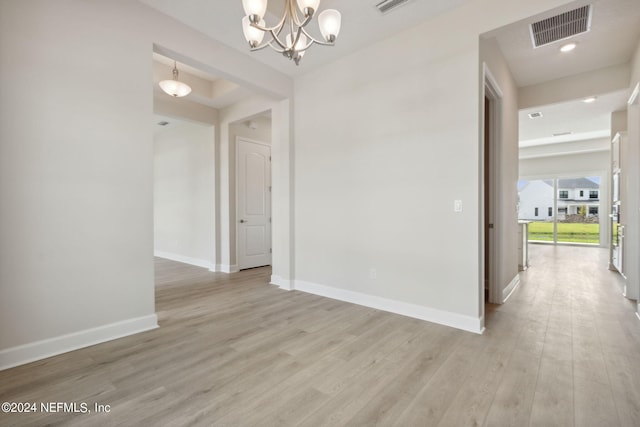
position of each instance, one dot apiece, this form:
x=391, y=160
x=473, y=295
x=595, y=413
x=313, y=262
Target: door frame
x=237, y=190
x=491, y=90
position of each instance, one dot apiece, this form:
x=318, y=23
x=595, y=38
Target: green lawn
x=577, y=233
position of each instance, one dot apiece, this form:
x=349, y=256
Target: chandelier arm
x=292, y=23
x=275, y=38
x=315, y=40
x=265, y=45
x=305, y=22
x=260, y=47
x=276, y=28
x=295, y=18
x=295, y=40
x=275, y=47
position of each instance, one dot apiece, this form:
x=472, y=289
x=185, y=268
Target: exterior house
x=536, y=199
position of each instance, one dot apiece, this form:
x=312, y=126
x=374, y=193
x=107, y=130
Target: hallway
x=577, y=351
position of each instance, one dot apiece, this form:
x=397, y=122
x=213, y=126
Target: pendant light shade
x=254, y=8
x=253, y=35
x=307, y=6
x=174, y=87
x=330, y=21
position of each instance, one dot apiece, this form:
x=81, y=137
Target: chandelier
x=297, y=40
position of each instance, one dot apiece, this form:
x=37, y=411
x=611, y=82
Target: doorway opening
x=183, y=191
x=490, y=177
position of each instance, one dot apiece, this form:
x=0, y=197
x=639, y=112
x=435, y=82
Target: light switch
x=457, y=205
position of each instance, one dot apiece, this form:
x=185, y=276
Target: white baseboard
x=284, y=284
x=506, y=292
x=225, y=268
x=459, y=321
x=38, y=350
x=185, y=259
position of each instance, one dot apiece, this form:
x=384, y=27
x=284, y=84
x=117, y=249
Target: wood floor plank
x=553, y=398
x=594, y=405
x=513, y=400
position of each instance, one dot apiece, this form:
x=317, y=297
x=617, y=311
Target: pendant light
x=174, y=87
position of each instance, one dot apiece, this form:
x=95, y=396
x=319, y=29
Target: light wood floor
x=235, y=351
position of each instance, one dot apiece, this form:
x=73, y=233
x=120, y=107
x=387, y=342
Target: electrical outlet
x=457, y=205
x=373, y=274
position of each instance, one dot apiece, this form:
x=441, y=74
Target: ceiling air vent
x=561, y=26
x=535, y=115
x=388, y=5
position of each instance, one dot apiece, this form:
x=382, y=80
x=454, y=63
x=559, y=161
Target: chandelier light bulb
x=308, y=7
x=330, y=21
x=253, y=35
x=254, y=9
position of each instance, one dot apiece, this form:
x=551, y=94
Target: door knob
x=242, y=221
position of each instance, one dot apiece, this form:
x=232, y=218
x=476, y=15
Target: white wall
x=76, y=165
x=184, y=109
x=630, y=187
x=582, y=164
x=597, y=82
x=262, y=131
x=76, y=161
x=386, y=139
x=566, y=148
x=184, y=181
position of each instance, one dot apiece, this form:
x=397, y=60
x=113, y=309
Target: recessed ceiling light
x=589, y=99
x=568, y=47
x=535, y=115
x=163, y=123
x=562, y=133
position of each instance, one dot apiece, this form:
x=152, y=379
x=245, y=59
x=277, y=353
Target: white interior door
x=253, y=166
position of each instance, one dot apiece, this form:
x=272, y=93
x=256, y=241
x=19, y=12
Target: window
x=562, y=210
x=550, y=213
x=581, y=193
x=535, y=212
x=593, y=210
x=593, y=194
x=564, y=194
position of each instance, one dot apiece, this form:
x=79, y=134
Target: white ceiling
x=361, y=25
x=615, y=30
x=612, y=39
x=184, y=68
x=584, y=121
